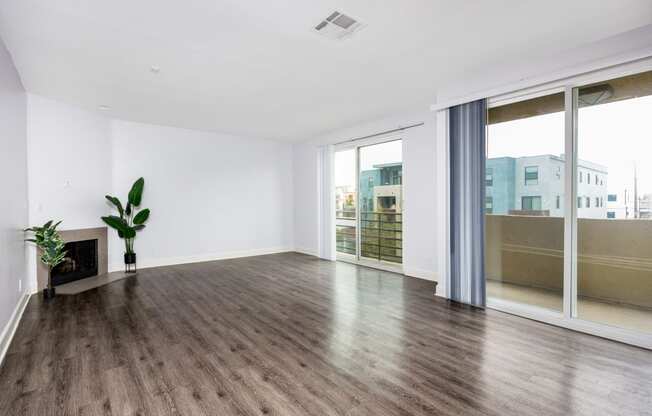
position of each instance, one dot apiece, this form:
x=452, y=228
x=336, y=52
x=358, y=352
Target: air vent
x=338, y=26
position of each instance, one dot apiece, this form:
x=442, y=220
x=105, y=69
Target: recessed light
x=104, y=107
x=154, y=69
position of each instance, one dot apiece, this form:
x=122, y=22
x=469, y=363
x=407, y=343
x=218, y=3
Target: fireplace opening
x=80, y=262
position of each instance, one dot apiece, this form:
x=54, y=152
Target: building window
x=597, y=202
x=588, y=178
x=387, y=203
x=531, y=175
x=531, y=203
x=489, y=205
x=579, y=202
x=588, y=202
x=558, y=204
x=612, y=198
x=581, y=177
x=489, y=177
x=611, y=214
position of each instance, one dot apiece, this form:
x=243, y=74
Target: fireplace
x=86, y=256
x=80, y=262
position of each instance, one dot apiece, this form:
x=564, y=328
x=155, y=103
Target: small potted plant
x=129, y=221
x=48, y=240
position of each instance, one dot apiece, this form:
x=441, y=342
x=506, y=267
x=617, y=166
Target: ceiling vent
x=338, y=26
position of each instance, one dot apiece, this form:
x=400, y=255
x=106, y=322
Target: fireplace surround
x=91, y=241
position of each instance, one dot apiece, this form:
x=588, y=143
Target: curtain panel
x=467, y=130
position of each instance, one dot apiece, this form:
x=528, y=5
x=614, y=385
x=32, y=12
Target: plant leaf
x=141, y=217
x=139, y=227
x=136, y=193
x=115, y=201
x=116, y=223
x=129, y=232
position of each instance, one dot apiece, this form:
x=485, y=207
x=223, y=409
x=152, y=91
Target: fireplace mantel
x=99, y=233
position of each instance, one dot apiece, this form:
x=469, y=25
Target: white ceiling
x=256, y=68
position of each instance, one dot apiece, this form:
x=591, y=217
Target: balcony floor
x=614, y=314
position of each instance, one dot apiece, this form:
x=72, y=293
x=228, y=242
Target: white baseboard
x=10, y=329
x=420, y=273
x=306, y=251
x=171, y=261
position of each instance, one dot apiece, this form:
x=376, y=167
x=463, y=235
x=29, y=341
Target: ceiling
x=255, y=68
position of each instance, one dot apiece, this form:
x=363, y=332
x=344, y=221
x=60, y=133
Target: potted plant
x=48, y=240
x=129, y=221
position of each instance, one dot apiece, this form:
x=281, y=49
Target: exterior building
x=645, y=206
x=534, y=185
x=381, y=188
x=620, y=205
x=345, y=202
x=380, y=222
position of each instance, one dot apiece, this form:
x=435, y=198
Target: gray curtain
x=467, y=127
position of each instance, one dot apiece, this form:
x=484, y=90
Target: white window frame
x=568, y=317
x=357, y=258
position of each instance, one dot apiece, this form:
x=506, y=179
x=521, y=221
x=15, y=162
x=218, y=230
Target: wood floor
x=289, y=334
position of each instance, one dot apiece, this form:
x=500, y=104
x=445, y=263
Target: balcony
x=381, y=235
x=525, y=261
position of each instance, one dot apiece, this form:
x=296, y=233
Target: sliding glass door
x=369, y=200
x=568, y=210
x=614, y=193
x=524, y=208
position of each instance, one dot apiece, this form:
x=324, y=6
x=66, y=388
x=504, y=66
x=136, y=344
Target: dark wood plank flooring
x=289, y=334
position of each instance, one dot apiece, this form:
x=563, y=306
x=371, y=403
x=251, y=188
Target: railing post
x=380, y=227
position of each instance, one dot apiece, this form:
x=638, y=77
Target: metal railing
x=345, y=214
x=381, y=236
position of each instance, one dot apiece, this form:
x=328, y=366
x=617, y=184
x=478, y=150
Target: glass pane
x=345, y=201
x=381, y=198
x=524, y=231
x=614, y=240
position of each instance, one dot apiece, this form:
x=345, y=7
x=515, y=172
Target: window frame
x=525, y=173
x=569, y=318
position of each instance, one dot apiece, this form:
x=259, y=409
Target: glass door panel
x=380, y=202
x=346, y=198
x=614, y=201
x=524, y=206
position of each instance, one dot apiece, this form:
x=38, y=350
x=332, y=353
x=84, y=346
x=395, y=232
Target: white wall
x=419, y=189
x=13, y=192
x=211, y=195
x=69, y=165
x=69, y=154
x=306, y=198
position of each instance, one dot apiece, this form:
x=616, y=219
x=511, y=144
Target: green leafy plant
x=51, y=244
x=129, y=221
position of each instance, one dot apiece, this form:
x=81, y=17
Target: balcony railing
x=345, y=214
x=614, y=256
x=381, y=235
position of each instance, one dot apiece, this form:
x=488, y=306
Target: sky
x=389, y=152
x=617, y=135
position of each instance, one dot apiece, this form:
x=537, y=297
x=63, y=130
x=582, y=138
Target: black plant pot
x=130, y=262
x=49, y=293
